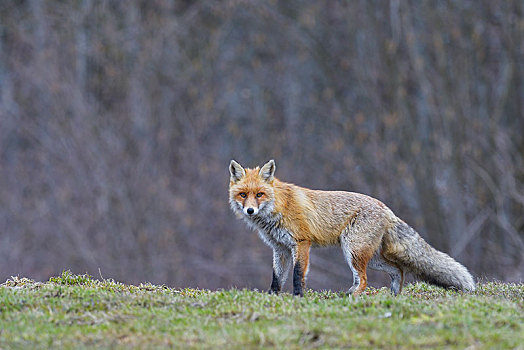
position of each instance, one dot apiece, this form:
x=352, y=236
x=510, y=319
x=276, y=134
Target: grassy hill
x=77, y=311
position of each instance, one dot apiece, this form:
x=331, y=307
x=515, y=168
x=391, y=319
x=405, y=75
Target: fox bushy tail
x=427, y=263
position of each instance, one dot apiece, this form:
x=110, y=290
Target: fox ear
x=236, y=171
x=268, y=171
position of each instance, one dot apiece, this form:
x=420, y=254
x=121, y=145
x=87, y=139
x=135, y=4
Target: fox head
x=251, y=191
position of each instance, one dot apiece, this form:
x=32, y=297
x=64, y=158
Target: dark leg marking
x=297, y=280
x=275, y=284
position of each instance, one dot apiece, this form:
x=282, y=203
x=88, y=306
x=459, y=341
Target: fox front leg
x=301, y=267
x=281, y=266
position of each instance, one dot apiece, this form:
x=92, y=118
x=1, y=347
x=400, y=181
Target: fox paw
x=352, y=290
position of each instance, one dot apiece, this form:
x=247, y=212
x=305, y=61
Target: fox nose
x=250, y=211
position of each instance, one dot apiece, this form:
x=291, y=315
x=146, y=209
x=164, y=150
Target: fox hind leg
x=378, y=262
x=357, y=259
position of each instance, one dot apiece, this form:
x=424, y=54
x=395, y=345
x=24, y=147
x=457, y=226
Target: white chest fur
x=270, y=231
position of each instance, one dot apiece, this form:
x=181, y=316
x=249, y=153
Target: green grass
x=78, y=311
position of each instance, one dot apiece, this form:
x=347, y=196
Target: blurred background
x=118, y=120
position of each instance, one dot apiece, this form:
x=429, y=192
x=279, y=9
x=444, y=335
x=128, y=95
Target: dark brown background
x=118, y=120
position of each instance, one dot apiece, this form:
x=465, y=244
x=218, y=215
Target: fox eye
x=243, y=194
x=260, y=194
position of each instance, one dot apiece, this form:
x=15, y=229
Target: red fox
x=291, y=219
